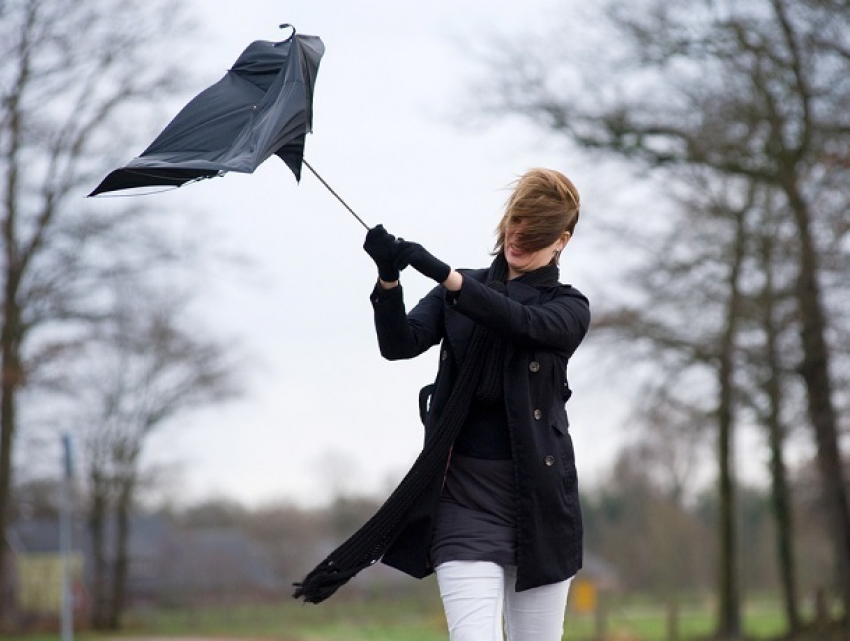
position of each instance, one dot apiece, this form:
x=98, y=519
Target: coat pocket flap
x=560, y=421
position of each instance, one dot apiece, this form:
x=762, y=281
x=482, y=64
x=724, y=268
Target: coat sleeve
x=402, y=335
x=559, y=323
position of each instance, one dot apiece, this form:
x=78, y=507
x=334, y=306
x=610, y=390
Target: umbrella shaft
x=330, y=189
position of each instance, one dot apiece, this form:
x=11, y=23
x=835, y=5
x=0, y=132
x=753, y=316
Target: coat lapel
x=521, y=293
x=459, y=327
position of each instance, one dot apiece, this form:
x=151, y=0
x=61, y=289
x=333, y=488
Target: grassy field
x=412, y=616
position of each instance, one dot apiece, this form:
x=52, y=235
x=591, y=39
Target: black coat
x=543, y=327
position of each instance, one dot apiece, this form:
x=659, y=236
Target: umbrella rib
x=330, y=189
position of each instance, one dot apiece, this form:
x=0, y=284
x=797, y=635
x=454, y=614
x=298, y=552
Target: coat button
x=534, y=366
x=549, y=460
x=443, y=355
x=537, y=415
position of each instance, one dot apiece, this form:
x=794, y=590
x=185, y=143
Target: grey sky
x=320, y=401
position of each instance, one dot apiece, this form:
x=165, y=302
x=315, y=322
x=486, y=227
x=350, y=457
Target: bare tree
x=693, y=315
x=730, y=605
x=71, y=72
x=755, y=91
x=146, y=367
x=672, y=439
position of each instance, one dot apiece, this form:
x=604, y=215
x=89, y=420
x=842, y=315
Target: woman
x=501, y=526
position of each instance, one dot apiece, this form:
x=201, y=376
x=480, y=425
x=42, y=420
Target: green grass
x=380, y=616
x=642, y=620
x=402, y=619
x=413, y=615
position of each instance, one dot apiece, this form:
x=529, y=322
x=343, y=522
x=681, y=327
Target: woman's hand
x=408, y=253
x=380, y=245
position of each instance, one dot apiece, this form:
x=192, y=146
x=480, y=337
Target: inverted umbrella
x=263, y=106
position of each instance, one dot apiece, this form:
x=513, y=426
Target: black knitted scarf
x=480, y=376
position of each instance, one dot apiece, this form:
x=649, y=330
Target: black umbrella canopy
x=262, y=106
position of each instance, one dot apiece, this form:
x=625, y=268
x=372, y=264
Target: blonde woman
x=497, y=514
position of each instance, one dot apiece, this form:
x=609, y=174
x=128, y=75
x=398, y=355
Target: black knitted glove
x=413, y=254
x=379, y=244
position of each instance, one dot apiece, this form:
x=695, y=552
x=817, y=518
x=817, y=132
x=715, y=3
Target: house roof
x=39, y=536
x=161, y=553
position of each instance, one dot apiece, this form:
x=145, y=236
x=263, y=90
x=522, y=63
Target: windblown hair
x=547, y=202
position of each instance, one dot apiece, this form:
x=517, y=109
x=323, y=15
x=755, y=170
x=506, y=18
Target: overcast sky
x=321, y=407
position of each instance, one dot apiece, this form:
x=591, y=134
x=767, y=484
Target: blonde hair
x=547, y=202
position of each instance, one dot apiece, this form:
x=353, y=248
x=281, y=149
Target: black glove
x=413, y=254
x=379, y=244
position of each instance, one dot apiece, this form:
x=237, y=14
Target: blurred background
x=193, y=410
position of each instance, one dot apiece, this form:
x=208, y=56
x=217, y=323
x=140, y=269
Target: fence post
x=672, y=620
x=600, y=617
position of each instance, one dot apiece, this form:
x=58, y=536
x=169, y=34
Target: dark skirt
x=476, y=518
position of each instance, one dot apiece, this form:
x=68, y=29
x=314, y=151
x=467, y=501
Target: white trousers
x=477, y=594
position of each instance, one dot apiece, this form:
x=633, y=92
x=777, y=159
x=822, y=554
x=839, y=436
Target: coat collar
x=522, y=293
x=517, y=290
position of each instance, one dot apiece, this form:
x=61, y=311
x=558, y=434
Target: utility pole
x=65, y=538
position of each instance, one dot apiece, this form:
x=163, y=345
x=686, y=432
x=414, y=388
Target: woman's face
x=521, y=261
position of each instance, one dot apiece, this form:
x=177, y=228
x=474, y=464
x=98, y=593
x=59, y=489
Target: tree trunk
x=97, y=529
x=120, y=572
x=10, y=381
x=780, y=493
x=814, y=370
x=7, y=425
x=780, y=496
x=729, y=619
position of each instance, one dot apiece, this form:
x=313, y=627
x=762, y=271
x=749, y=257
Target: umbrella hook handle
x=291, y=35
